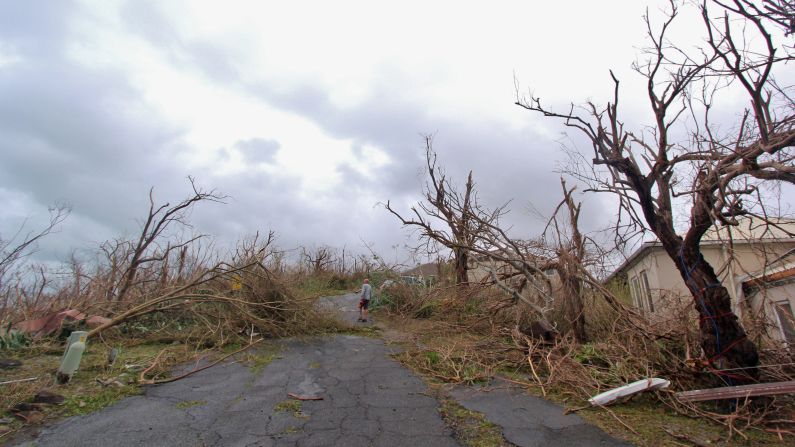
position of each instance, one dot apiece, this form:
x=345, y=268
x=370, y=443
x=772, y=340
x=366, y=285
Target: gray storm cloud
x=75, y=132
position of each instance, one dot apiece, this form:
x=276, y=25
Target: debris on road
x=53, y=322
x=741, y=391
x=304, y=397
x=685, y=438
x=29, y=379
x=616, y=394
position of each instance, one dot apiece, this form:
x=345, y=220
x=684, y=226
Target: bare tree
x=569, y=262
x=444, y=204
x=687, y=154
x=560, y=249
x=318, y=259
x=17, y=247
x=159, y=218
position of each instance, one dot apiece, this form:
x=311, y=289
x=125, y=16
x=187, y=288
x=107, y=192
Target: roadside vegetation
x=534, y=308
x=529, y=310
x=464, y=343
x=156, y=308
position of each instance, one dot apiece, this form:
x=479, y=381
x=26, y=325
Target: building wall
x=664, y=278
x=479, y=271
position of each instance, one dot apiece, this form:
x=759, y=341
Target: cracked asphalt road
x=368, y=400
x=529, y=421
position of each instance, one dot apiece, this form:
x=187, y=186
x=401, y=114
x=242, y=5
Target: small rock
x=5, y=421
x=48, y=397
x=81, y=404
x=9, y=363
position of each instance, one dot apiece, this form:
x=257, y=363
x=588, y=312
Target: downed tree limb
x=29, y=379
x=173, y=295
x=142, y=377
x=304, y=397
x=615, y=416
x=733, y=392
x=685, y=438
x=194, y=371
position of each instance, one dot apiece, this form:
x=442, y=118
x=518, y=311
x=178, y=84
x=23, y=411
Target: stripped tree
x=446, y=205
x=689, y=155
x=569, y=262
x=147, y=249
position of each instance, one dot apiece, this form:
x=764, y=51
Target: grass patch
x=184, y=405
x=84, y=403
x=259, y=361
x=288, y=406
x=470, y=427
x=444, y=352
x=361, y=331
x=316, y=286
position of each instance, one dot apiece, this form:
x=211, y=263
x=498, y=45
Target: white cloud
x=133, y=94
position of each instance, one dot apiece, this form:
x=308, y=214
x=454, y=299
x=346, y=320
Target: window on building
x=786, y=322
x=644, y=282
x=634, y=287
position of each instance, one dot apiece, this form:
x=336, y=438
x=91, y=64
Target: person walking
x=364, y=302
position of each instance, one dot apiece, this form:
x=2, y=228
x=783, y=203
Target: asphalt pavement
x=368, y=399
x=364, y=398
x=530, y=421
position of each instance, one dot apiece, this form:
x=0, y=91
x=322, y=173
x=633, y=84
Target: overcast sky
x=306, y=114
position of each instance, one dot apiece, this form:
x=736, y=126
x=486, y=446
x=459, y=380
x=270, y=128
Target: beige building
x=481, y=266
x=773, y=291
x=744, y=258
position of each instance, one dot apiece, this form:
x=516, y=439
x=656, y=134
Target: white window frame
x=644, y=284
x=774, y=305
x=634, y=286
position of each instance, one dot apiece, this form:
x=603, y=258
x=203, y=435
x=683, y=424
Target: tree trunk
x=572, y=294
x=723, y=339
x=461, y=267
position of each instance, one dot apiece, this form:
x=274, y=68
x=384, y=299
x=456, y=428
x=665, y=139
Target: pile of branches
x=621, y=352
x=244, y=297
x=160, y=285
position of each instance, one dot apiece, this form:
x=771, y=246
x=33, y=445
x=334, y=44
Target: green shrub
x=11, y=340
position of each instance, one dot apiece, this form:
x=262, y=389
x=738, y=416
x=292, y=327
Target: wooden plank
x=732, y=392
